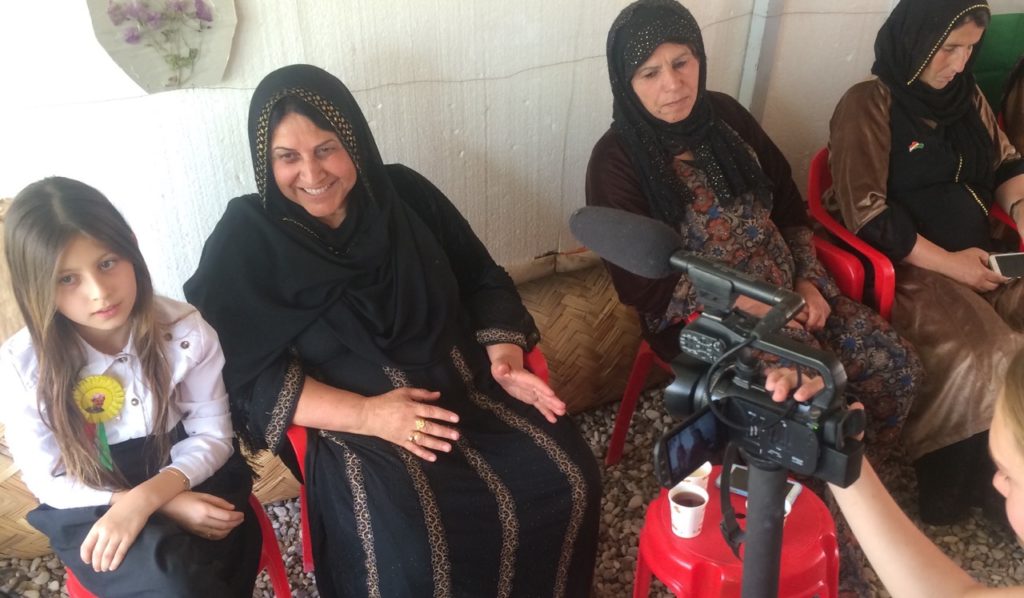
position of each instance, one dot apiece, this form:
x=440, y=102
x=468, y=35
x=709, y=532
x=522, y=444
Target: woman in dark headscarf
x=351, y=297
x=917, y=162
x=699, y=161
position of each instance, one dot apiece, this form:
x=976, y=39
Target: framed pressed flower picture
x=166, y=44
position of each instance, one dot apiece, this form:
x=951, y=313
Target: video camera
x=719, y=367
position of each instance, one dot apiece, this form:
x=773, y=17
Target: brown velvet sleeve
x=1013, y=115
x=859, y=142
x=1005, y=151
x=1008, y=163
x=611, y=182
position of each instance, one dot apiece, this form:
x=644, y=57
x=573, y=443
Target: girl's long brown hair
x=41, y=222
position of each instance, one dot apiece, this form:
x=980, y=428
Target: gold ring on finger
x=410, y=438
x=420, y=424
x=415, y=438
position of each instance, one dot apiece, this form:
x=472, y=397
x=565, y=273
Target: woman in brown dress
x=917, y=162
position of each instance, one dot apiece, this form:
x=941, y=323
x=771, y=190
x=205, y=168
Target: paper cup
x=687, y=502
x=700, y=476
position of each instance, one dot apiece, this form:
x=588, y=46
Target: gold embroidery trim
x=574, y=477
x=284, y=407
x=506, y=516
x=361, y=511
x=942, y=38
x=341, y=126
x=440, y=562
x=977, y=199
x=493, y=336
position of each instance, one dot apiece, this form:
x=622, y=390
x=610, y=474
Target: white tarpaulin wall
x=498, y=103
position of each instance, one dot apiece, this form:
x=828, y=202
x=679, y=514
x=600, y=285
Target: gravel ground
x=989, y=554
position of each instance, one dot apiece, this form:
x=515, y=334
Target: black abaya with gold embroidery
x=401, y=294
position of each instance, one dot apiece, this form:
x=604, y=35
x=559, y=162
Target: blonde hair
x=1011, y=401
x=43, y=219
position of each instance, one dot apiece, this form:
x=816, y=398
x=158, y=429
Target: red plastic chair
x=819, y=178
x=642, y=363
x=845, y=268
x=534, y=361
x=705, y=566
x=270, y=559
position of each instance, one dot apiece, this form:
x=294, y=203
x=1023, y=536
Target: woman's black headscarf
x=269, y=269
x=652, y=143
x=906, y=43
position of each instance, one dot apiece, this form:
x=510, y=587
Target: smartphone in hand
x=1010, y=265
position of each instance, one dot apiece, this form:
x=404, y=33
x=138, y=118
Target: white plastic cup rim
x=687, y=522
x=700, y=475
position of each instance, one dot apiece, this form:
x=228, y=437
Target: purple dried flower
x=177, y=6
x=134, y=10
x=153, y=19
x=132, y=35
x=203, y=12
x=116, y=13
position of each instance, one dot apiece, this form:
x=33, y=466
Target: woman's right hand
x=403, y=417
x=970, y=266
x=202, y=514
x=781, y=381
x=109, y=539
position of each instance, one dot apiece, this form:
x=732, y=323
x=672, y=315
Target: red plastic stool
x=270, y=559
x=705, y=566
x=645, y=358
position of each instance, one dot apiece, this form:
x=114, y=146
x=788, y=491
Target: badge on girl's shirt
x=100, y=398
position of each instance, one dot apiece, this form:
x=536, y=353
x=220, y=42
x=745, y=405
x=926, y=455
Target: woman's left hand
x=507, y=369
x=204, y=515
x=816, y=310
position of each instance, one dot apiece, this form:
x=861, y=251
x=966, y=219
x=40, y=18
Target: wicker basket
x=17, y=537
x=274, y=481
x=587, y=336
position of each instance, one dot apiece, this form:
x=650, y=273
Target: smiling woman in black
x=353, y=298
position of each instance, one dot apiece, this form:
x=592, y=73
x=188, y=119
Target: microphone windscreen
x=635, y=243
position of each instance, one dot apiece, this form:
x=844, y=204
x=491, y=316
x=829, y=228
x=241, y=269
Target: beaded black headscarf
x=270, y=270
x=905, y=45
x=653, y=143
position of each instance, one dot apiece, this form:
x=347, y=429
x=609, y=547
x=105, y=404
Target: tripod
x=763, y=537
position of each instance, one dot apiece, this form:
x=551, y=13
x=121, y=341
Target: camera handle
x=766, y=491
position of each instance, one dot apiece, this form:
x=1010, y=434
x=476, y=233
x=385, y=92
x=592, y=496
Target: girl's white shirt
x=199, y=402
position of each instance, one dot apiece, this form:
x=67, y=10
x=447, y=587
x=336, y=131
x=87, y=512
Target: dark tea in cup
x=687, y=499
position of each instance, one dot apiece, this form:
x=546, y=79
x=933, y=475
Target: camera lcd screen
x=693, y=442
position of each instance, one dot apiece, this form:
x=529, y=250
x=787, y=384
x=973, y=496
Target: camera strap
x=731, y=530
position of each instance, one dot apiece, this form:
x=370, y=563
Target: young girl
x=115, y=409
